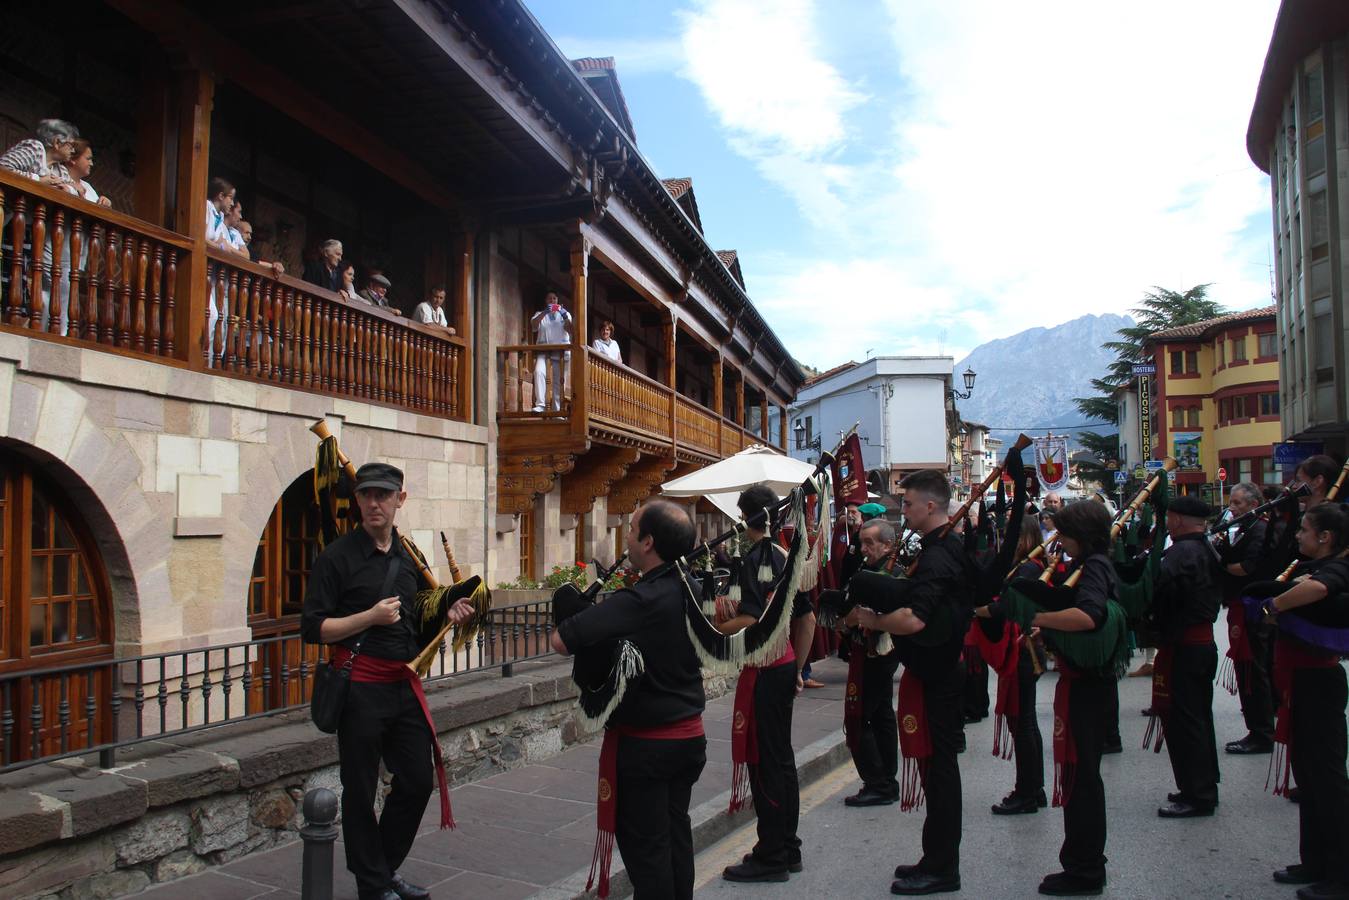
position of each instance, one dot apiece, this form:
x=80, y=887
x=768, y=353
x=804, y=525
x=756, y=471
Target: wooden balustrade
x=289, y=332
x=517, y=396
x=86, y=273
x=697, y=428
x=627, y=398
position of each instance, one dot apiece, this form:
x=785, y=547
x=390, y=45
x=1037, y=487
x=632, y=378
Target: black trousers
x=773, y=782
x=941, y=778
x=974, y=703
x=1112, y=712
x=1255, y=684
x=1189, y=724
x=1318, y=758
x=382, y=722
x=1083, y=850
x=1030, y=748
x=655, y=838
x=877, y=752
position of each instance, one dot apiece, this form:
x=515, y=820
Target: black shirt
x=1095, y=586
x=651, y=615
x=753, y=592
x=942, y=597
x=347, y=579
x=1247, y=552
x=1187, y=591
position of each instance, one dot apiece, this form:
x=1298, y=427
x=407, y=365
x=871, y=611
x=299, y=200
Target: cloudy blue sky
x=915, y=176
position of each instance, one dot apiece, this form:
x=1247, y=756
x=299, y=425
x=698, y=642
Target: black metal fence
x=99, y=707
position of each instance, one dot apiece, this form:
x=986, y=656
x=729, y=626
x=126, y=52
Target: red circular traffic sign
x=1222, y=474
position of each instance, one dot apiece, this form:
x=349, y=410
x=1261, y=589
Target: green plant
x=623, y=577
x=560, y=575
x=520, y=584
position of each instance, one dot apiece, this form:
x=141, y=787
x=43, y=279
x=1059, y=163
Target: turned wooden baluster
x=238, y=299
x=18, y=227
x=203, y=328
x=401, y=362
x=274, y=332
x=124, y=300
x=108, y=307
x=4, y=200
x=329, y=346
x=423, y=390
x=38, y=267
x=388, y=366
x=320, y=344
x=257, y=331
x=77, y=251
x=170, y=282
x=346, y=371
x=54, y=277
x=141, y=296
x=93, y=283
x=367, y=357
x=307, y=332
x=154, y=336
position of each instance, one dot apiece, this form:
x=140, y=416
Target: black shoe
x=1178, y=797
x=1015, y=804
x=792, y=865
x=386, y=894
x=1295, y=795
x=870, y=797
x=408, y=891
x=1147, y=713
x=1112, y=746
x=906, y=871
x=1297, y=873
x=1066, y=884
x=1250, y=745
x=1040, y=799
x=1324, y=890
x=1184, y=809
x=960, y=748
x=922, y=883
x=751, y=870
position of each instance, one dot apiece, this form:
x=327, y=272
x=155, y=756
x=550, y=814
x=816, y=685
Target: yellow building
x=1215, y=399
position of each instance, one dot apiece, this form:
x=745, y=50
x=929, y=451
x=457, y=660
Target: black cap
x=379, y=475
x=1187, y=505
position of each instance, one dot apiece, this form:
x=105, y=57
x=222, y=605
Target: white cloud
x=1043, y=160
x=632, y=56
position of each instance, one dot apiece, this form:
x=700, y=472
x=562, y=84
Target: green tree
x=1159, y=310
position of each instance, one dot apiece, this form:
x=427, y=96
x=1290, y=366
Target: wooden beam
x=155, y=145
x=196, y=96
x=463, y=320
x=580, y=389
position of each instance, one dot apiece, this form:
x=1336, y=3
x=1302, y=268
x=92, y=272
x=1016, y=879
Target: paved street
x=852, y=852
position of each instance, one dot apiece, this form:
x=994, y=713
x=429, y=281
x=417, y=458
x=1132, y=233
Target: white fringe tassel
x=630, y=666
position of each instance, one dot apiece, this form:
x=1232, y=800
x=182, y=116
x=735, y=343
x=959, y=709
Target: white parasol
x=721, y=483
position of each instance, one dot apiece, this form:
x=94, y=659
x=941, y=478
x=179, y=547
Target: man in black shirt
x=1251, y=649
x=1185, y=605
x=930, y=630
x=359, y=598
x=654, y=747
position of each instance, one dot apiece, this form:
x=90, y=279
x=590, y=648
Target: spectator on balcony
x=552, y=325
x=79, y=166
x=346, y=281
x=233, y=218
x=432, y=310
x=605, y=343
x=42, y=158
x=376, y=291
x=323, y=271
x=246, y=235
x=219, y=201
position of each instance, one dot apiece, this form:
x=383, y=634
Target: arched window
x=54, y=606
x=285, y=556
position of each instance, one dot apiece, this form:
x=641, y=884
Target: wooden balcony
x=77, y=273
x=629, y=426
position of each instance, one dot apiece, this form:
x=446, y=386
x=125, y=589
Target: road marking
x=728, y=851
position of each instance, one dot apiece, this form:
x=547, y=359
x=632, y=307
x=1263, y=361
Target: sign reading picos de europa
x=1145, y=416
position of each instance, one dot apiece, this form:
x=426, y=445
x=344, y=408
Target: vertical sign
x=1145, y=416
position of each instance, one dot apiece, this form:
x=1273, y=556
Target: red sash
x=974, y=660
x=852, y=700
x=375, y=670
x=1162, y=667
x=1238, y=647
x=1003, y=656
x=915, y=740
x=1065, y=747
x=606, y=800
x=744, y=738
x=1289, y=656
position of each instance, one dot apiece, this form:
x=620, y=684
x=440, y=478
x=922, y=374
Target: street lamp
x=969, y=377
x=799, y=430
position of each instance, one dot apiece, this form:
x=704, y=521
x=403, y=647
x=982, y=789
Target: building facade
x=1215, y=398
x=900, y=405
x=1299, y=135
x=157, y=394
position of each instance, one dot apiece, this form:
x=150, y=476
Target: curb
x=711, y=821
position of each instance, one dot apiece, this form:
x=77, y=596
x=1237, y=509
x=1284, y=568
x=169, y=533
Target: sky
x=921, y=176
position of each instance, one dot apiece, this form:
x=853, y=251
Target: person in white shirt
x=219, y=202
x=552, y=325
x=432, y=311
x=80, y=165
x=233, y=218
x=605, y=343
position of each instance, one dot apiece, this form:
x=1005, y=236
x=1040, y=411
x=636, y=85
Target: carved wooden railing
x=626, y=398
x=86, y=273
x=289, y=332
x=697, y=428
x=515, y=380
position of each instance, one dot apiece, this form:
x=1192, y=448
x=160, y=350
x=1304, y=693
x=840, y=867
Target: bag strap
x=390, y=575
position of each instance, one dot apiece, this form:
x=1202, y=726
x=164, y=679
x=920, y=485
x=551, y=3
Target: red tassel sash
x=744, y=738
x=1003, y=656
x=915, y=740
x=1239, y=654
x=1289, y=656
x=1065, y=748
x=1162, y=667
x=852, y=700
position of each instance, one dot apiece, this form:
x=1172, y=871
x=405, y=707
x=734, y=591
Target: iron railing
x=100, y=707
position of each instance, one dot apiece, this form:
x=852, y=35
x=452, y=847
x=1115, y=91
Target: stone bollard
x=318, y=834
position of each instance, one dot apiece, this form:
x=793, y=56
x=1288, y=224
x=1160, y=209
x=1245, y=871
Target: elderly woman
x=43, y=158
x=605, y=343
x=78, y=168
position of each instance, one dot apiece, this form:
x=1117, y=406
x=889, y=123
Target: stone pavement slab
x=529, y=830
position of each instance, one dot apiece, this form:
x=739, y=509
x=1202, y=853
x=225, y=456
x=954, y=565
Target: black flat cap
x=1188, y=505
x=379, y=475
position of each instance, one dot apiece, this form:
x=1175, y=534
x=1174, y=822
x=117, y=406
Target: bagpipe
x=1323, y=625
x=1104, y=650
x=334, y=486
x=1220, y=534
